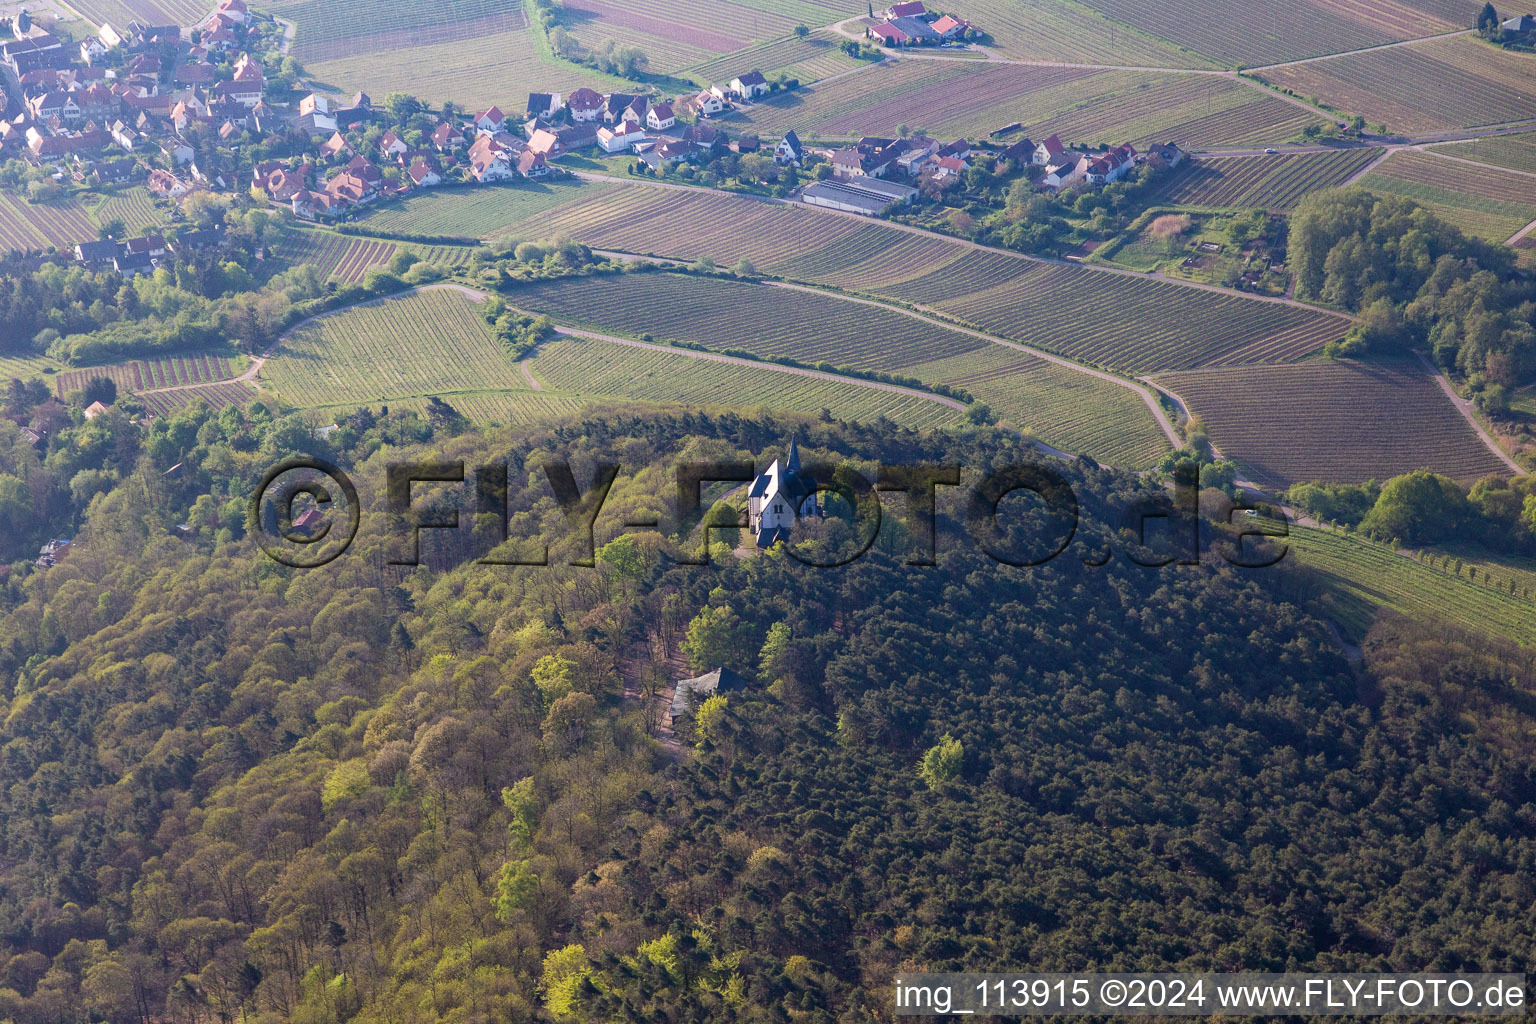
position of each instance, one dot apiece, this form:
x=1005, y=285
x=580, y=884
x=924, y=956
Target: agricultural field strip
x=1145, y=395
x=1468, y=83
x=1342, y=422
x=1271, y=182
x=546, y=302
x=419, y=342
x=1516, y=152
x=143, y=376
x=753, y=364
x=962, y=243
x=1379, y=575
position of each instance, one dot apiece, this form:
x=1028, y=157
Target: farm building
x=868, y=196
x=701, y=688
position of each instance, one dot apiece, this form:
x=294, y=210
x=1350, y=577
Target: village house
x=585, y=105
x=391, y=144
x=424, y=172
x=706, y=104
x=661, y=117
x=1050, y=151
x=490, y=160
x=97, y=254
x=915, y=9
x=789, y=151
x=335, y=147
x=492, y=120
x=544, y=104
x=1065, y=170
x=1112, y=166
x=133, y=264
x=750, y=86
x=1165, y=155
x=445, y=139
x=621, y=138
x=532, y=165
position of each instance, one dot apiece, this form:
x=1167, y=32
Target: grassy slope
x=1363, y=576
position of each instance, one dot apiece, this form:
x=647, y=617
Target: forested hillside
x=232, y=790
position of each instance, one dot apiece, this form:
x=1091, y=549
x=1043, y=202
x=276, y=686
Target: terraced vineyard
x=1363, y=576
x=483, y=67
x=1050, y=30
x=761, y=319
x=25, y=226
x=977, y=270
x=513, y=408
x=476, y=212
x=332, y=29
x=1488, y=203
x=429, y=342
x=621, y=371
x=1136, y=325
x=1252, y=34
x=24, y=367
x=1335, y=421
x=808, y=60
x=1517, y=152
x=215, y=396
x=871, y=258
x=1067, y=409
x=1271, y=183
x=688, y=223
x=1444, y=83
x=1144, y=107
x=673, y=33
x=148, y=374
x=132, y=206
x=1080, y=104
x=341, y=256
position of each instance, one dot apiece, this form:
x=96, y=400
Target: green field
x=24, y=367
x=1363, y=576
x=1070, y=410
x=431, y=342
x=1339, y=421
x=1517, y=152
x=483, y=212
x=1488, y=203
x=970, y=99
x=620, y=371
